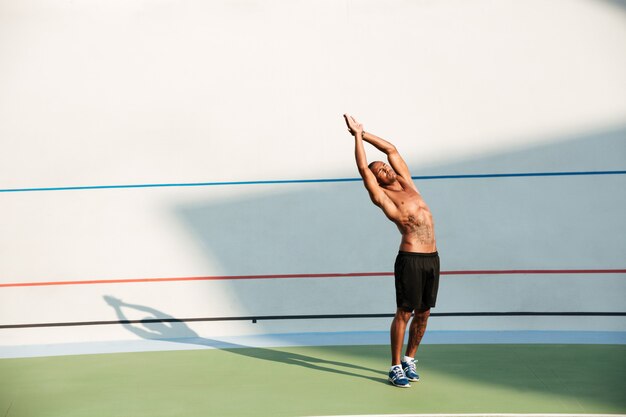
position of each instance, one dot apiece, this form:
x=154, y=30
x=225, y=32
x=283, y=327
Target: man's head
x=383, y=172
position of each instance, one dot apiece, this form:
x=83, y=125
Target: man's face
x=383, y=173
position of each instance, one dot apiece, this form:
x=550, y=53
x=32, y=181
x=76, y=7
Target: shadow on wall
x=154, y=326
x=621, y=4
x=544, y=222
x=303, y=228
x=486, y=223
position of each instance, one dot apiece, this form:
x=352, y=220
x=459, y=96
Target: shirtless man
x=417, y=264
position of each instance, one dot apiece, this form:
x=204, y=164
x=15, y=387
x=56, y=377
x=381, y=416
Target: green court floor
x=328, y=380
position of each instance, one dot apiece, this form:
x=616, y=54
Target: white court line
x=479, y=415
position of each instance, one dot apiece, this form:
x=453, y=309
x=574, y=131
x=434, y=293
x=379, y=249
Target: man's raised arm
x=377, y=195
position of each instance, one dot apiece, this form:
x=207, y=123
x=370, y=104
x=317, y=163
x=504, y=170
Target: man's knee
x=403, y=314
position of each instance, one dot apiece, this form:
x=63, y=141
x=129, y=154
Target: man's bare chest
x=408, y=202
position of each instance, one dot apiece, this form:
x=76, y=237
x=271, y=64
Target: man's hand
x=354, y=127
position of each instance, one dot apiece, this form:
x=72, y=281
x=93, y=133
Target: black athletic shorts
x=417, y=280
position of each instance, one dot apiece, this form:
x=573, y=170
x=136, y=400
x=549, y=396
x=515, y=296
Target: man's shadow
x=161, y=326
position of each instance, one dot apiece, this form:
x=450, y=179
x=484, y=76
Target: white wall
x=104, y=93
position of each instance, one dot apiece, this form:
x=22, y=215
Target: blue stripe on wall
x=301, y=181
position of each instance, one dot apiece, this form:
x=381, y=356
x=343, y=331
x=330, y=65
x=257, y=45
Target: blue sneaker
x=397, y=378
x=409, y=370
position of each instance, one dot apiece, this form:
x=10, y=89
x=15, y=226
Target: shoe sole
x=399, y=386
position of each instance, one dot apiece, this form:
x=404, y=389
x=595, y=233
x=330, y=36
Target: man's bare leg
x=417, y=329
x=398, y=327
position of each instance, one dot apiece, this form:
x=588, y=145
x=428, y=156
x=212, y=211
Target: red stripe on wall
x=536, y=271
x=328, y=275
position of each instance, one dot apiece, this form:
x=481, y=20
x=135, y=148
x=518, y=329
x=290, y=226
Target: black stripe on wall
x=255, y=319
